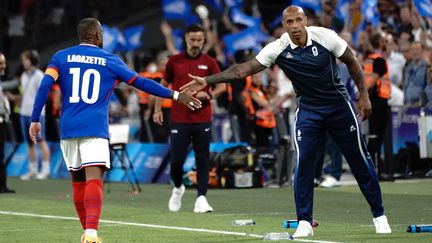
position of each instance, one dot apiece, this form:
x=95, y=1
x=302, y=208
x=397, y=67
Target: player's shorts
x=25, y=122
x=84, y=152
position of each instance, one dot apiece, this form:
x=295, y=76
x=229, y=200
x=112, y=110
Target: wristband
x=176, y=95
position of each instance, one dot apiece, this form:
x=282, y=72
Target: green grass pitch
x=342, y=213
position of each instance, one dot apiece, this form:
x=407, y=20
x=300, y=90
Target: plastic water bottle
x=243, y=222
x=278, y=236
x=419, y=228
x=292, y=224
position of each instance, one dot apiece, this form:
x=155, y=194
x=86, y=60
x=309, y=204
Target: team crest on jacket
x=289, y=55
x=314, y=50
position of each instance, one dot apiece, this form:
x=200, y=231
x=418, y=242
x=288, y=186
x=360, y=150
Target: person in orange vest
x=265, y=119
x=378, y=84
x=240, y=102
x=154, y=70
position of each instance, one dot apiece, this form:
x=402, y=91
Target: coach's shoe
x=174, y=203
x=202, y=206
x=304, y=229
x=381, y=225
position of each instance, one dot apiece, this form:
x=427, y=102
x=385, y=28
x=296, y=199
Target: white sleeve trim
x=330, y=40
x=268, y=54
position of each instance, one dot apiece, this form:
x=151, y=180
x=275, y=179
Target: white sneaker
x=28, y=176
x=202, y=206
x=304, y=229
x=174, y=203
x=329, y=182
x=381, y=225
x=43, y=176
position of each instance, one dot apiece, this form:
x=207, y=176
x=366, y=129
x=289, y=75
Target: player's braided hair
x=87, y=28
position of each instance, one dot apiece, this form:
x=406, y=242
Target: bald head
x=293, y=9
x=89, y=31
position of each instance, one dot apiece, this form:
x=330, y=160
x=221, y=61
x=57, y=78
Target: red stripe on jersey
x=130, y=81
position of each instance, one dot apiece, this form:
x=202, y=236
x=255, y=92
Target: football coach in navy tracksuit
x=307, y=55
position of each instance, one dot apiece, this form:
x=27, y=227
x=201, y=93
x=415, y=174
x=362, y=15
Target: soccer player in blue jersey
x=307, y=55
x=87, y=75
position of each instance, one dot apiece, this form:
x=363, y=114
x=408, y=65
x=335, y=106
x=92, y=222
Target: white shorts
x=84, y=152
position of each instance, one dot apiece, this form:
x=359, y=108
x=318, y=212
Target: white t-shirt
x=30, y=83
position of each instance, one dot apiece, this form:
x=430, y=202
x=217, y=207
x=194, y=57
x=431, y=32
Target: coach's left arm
x=363, y=104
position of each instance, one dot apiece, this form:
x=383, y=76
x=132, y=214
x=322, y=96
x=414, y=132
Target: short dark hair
x=32, y=55
x=87, y=28
x=375, y=40
x=194, y=28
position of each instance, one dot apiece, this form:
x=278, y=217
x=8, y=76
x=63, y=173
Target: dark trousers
x=3, y=129
x=180, y=137
x=378, y=122
x=341, y=123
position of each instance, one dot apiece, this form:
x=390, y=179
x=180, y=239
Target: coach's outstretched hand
x=187, y=99
x=197, y=84
x=364, y=107
x=35, y=128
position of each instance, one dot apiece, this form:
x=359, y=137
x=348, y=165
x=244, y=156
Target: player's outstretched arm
x=154, y=88
x=235, y=72
x=363, y=104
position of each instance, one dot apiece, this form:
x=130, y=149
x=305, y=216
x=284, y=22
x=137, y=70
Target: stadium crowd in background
x=405, y=30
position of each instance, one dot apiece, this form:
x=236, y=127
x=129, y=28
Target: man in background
x=4, y=119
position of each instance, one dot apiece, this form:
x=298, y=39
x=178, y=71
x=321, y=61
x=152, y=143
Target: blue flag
x=176, y=9
x=233, y=3
x=342, y=11
x=110, y=38
x=177, y=35
x=276, y=21
x=370, y=13
x=250, y=38
x=192, y=19
x=424, y=7
x=238, y=17
x=121, y=40
x=216, y=5
x=315, y=5
x=133, y=37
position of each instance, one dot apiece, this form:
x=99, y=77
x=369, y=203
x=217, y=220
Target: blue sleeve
x=152, y=87
x=121, y=70
x=42, y=96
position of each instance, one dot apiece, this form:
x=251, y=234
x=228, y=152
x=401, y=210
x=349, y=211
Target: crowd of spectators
x=407, y=34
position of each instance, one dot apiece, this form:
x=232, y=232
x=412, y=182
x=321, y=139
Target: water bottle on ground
x=243, y=222
x=419, y=228
x=278, y=236
x=292, y=224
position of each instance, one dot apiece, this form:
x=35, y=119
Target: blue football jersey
x=87, y=76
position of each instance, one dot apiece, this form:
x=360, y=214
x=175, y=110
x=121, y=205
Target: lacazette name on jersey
x=86, y=59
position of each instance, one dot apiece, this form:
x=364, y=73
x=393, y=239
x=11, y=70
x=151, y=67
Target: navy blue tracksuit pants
x=181, y=136
x=342, y=124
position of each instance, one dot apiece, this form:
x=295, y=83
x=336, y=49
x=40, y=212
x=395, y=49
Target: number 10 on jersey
x=85, y=84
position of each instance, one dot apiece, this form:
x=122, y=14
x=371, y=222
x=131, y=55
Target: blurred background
x=146, y=32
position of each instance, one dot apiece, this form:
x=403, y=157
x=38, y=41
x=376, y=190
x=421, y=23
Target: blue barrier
x=146, y=159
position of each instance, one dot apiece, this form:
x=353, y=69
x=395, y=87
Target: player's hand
x=203, y=96
x=187, y=99
x=158, y=117
x=364, y=106
x=197, y=83
x=35, y=129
